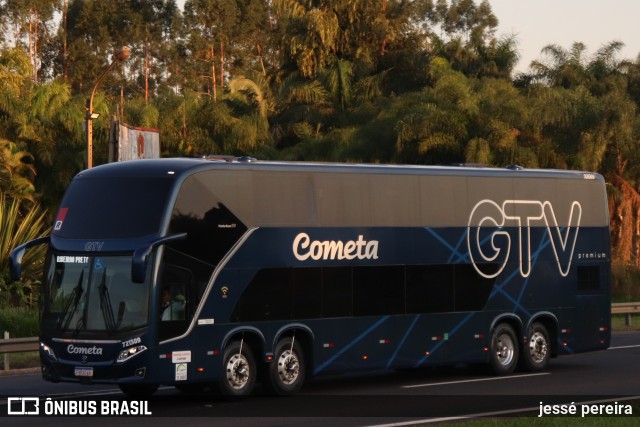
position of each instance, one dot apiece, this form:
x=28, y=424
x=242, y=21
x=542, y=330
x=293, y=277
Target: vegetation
x=19, y=322
x=16, y=227
x=419, y=82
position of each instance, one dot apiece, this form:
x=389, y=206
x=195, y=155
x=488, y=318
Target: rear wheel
x=238, y=370
x=536, y=351
x=504, y=350
x=288, y=370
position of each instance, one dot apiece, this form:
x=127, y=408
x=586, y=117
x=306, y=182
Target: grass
x=26, y=359
x=576, y=420
x=19, y=322
x=618, y=323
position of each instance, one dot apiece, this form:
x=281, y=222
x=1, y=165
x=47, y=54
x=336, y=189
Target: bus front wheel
x=536, y=351
x=287, y=371
x=238, y=370
x=504, y=350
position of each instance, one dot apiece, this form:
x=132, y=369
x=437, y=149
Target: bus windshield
x=84, y=294
x=113, y=208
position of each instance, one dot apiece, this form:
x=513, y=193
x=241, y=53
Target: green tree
x=440, y=121
x=564, y=68
x=211, y=25
x=462, y=31
x=29, y=20
x=53, y=134
x=16, y=171
x=15, y=87
x=95, y=30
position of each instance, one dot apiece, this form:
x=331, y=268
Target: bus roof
x=178, y=166
x=301, y=194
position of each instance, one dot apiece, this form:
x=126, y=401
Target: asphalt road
x=600, y=378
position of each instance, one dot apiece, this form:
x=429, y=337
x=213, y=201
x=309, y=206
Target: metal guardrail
x=16, y=345
x=626, y=308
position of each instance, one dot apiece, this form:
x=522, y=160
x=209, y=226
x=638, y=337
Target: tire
x=504, y=350
x=138, y=390
x=287, y=372
x=536, y=351
x=239, y=370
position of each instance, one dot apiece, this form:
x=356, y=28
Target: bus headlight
x=128, y=353
x=48, y=351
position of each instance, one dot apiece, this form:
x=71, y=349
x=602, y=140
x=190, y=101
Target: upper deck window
x=212, y=229
x=112, y=208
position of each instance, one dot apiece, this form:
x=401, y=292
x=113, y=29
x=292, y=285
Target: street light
x=120, y=55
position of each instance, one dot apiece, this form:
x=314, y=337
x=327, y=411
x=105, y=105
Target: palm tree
x=253, y=90
x=20, y=223
x=565, y=68
x=16, y=171
x=338, y=78
x=52, y=131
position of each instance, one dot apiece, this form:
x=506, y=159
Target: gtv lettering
x=489, y=242
x=304, y=248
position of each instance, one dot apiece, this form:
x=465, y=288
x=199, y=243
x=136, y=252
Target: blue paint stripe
x=534, y=259
x=351, y=344
x=461, y=255
x=404, y=338
x=462, y=322
x=441, y=343
x=565, y=347
x=426, y=356
x=498, y=289
x=444, y=242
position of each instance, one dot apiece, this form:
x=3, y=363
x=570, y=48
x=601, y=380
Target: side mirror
x=15, y=258
x=141, y=256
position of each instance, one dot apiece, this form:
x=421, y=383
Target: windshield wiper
x=107, y=309
x=105, y=304
x=71, y=304
x=79, y=325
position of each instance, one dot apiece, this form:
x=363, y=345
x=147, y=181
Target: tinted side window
x=430, y=289
x=177, y=300
x=337, y=292
x=307, y=293
x=472, y=290
x=310, y=293
x=378, y=290
x=269, y=296
x=211, y=228
x=588, y=278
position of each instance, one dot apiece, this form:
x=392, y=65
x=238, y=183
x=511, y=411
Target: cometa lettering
x=304, y=248
x=72, y=349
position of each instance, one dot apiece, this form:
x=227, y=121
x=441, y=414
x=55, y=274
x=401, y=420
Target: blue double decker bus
x=203, y=273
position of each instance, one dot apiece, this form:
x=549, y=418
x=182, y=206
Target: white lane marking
x=476, y=380
x=624, y=346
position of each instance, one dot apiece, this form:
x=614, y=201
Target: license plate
x=83, y=372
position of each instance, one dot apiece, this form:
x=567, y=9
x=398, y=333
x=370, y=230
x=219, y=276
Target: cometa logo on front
x=305, y=248
x=72, y=349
